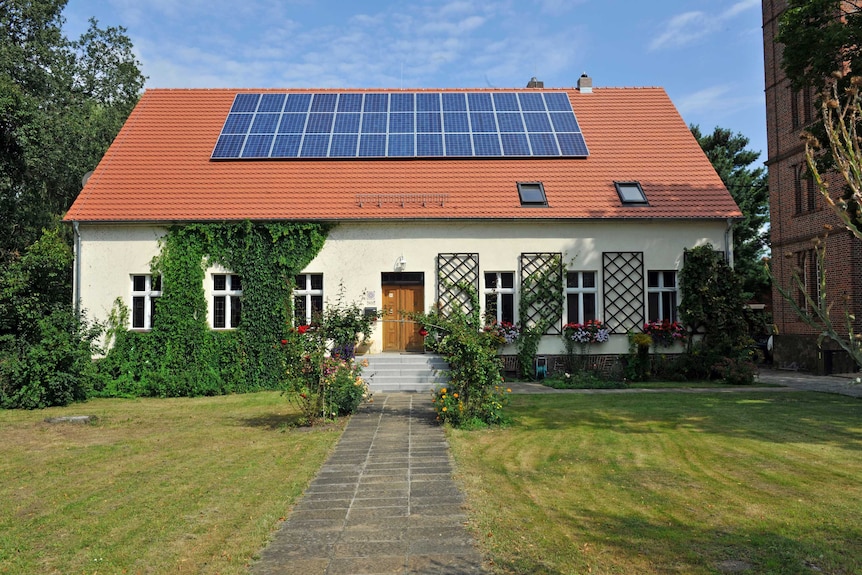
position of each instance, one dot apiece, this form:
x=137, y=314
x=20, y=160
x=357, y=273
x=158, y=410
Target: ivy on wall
x=182, y=355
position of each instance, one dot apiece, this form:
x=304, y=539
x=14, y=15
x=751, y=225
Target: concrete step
x=404, y=372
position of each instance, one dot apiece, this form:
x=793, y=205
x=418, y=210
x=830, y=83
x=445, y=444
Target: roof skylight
x=532, y=194
x=631, y=193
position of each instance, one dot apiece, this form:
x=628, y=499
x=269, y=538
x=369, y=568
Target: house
x=798, y=214
x=431, y=193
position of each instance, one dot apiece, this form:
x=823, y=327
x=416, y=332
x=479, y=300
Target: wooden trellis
x=623, y=283
x=541, y=291
x=457, y=283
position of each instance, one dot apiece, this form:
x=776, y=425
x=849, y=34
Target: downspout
x=728, y=242
x=76, y=280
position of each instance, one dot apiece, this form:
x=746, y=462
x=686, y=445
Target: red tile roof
x=159, y=170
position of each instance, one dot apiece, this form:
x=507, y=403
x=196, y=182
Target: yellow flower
x=444, y=408
x=443, y=391
x=455, y=395
x=508, y=390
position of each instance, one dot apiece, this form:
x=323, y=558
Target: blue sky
x=707, y=54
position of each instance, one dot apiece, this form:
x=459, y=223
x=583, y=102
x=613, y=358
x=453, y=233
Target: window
x=145, y=290
x=532, y=194
x=807, y=106
x=631, y=193
x=227, y=301
x=797, y=188
x=661, y=295
x=581, y=294
x=807, y=270
x=794, y=108
x=307, y=298
x=500, y=296
x=812, y=193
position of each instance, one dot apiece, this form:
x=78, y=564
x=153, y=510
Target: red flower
x=284, y=342
x=303, y=328
x=423, y=332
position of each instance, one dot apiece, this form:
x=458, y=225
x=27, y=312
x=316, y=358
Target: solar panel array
x=400, y=124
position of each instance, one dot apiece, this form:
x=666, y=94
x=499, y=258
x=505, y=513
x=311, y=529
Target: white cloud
x=717, y=100
x=689, y=27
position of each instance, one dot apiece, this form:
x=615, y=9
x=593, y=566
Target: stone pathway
x=383, y=503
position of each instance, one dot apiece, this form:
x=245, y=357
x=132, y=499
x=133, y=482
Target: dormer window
x=532, y=194
x=631, y=193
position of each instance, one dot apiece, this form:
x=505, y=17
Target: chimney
x=585, y=84
x=533, y=83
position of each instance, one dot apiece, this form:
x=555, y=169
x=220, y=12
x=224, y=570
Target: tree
x=748, y=186
x=61, y=104
x=820, y=37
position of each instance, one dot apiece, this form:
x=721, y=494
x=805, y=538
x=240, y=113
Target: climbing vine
x=183, y=355
x=541, y=305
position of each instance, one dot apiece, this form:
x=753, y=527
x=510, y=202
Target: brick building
x=799, y=216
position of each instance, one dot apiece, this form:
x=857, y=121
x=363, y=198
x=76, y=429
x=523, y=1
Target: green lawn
x=669, y=483
x=154, y=486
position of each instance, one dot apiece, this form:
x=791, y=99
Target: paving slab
x=384, y=502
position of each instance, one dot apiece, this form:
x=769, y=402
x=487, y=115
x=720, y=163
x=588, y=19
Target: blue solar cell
x=350, y=103
x=400, y=145
x=544, y=145
x=537, y=122
x=564, y=122
x=324, y=102
x=271, y=103
x=319, y=123
x=347, y=123
x=292, y=123
x=228, y=146
x=475, y=124
x=558, y=102
x=486, y=144
x=506, y=102
x=429, y=102
x=510, y=122
x=532, y=102
x=458, y=145
x=314, y=146
x=454, y=102
x=428, y=122
x=245, y=103
x=297, y=102
x=265, y=123
x=483, y=122
x=372, y=146
x=456, y=122
x=401, y=124
x=373, y=123
x=344, y=146
x=237, y=124
x=429, y=145
x=480, y=102
x=286, y=146
x=257, y=146
x=401, y=102
x=515, y=145
x=376, y=103
x=572, y=144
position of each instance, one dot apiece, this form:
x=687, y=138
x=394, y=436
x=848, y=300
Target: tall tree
x=733, y=162
x=820, y=37
x=61, y=104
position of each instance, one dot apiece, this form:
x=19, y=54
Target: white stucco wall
x=357, y=253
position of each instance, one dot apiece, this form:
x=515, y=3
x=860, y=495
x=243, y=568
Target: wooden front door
x=399, y=333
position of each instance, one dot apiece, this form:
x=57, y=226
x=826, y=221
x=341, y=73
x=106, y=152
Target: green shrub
x=735, y=371
x=581, y=380
x=54, y=367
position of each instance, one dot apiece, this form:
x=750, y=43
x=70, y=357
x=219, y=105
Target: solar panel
x=400, y=124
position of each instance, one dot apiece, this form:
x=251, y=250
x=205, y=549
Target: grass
x=153, y=486
x=670, y=483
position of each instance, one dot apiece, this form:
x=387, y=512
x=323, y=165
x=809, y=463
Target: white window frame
x=304, y=290
x=231, y=296
x=579, y=291
x=499, y=291
x=147, y=296
x=660, y=290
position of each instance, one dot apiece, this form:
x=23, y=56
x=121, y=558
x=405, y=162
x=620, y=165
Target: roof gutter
x=728, y=242
x=76, y=272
